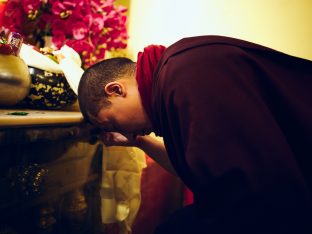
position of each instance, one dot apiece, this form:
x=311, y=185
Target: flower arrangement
x=90, y=27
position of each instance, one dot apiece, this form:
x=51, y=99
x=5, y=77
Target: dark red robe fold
x=236, y=119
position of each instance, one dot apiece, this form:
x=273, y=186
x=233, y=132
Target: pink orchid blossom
x=91, y=27
x=79, y=31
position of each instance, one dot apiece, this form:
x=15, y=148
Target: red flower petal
x=79, y=30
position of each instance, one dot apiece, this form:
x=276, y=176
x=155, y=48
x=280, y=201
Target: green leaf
x=18, y=113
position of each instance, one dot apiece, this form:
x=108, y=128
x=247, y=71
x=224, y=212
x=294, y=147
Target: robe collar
x=146, y=65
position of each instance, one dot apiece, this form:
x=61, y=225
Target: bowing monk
x=236, y=120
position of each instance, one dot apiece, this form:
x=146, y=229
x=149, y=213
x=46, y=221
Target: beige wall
x=284, y=25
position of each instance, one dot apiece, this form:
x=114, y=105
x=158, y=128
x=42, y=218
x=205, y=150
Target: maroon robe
x=236, y=119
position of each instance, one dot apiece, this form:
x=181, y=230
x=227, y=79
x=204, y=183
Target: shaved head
x=91, y=95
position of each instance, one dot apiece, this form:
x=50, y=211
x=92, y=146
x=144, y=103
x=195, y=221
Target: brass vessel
x=15, y=80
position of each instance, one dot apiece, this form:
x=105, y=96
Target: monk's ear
x=115, y=88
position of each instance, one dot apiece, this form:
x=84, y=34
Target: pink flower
x=63, y=8
x=80, y=45
x=96, y=6
x=13, y=15
x=97, y=23
x=79, y=31
x=122, y=9
x=58, y=38
x=31, y=5
x=91, y=27
x=57, y=24
x=100, y=53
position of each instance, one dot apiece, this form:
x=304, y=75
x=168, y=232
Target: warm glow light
x=281, y=24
